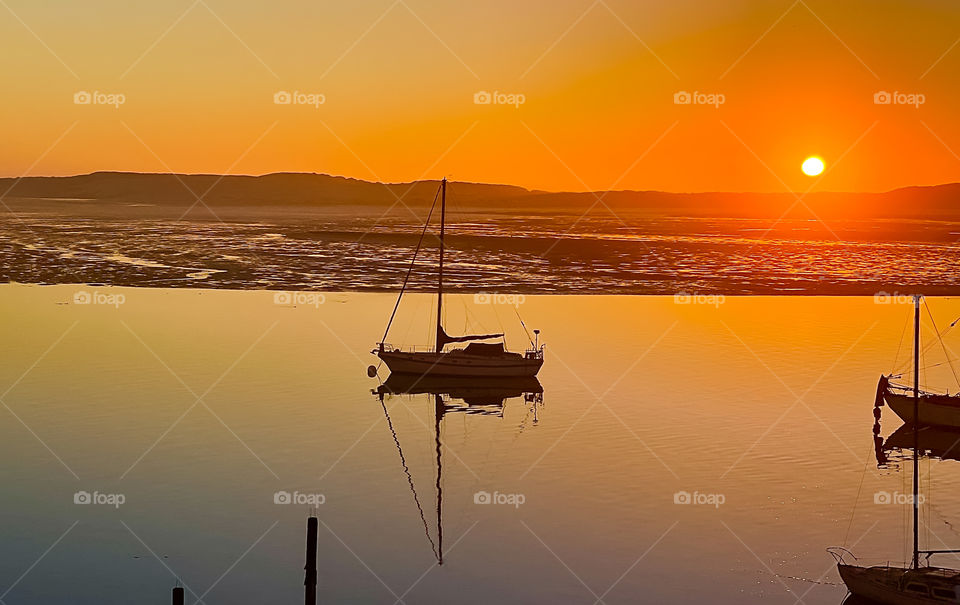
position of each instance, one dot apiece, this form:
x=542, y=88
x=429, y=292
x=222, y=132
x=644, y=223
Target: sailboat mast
x=438, y=411
x=443, y=218
x=916, y=422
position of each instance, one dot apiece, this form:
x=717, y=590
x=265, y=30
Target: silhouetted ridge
x=322, y=190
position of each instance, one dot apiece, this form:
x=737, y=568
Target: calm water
x=198, y=406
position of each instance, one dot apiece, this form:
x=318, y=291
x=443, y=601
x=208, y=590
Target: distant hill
x=940, y=202
x=279, y=189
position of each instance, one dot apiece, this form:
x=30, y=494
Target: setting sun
x=812, y=166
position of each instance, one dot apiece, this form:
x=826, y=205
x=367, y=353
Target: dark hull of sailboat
x=937, y=410
x=460, y=364
x=899, y=586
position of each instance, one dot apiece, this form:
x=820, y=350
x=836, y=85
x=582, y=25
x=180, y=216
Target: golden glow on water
x=766, y=401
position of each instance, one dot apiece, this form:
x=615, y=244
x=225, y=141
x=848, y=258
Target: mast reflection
x=486, y=397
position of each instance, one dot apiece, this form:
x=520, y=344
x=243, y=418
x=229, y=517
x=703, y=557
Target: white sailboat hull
x=939, y=410
x=460, y=364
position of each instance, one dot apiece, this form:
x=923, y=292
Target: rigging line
x=406, y=470
x=523, y=424
x=853, y=513
x=497, y=434
x=906, y=320
x=923, y=364
x=469, y=319
x=930, y=345
x=943, y=518
x=942, y=345
x=937, y=365
x=503, y=330
x=466, y=315
x=923, y=349
x=524, y=325
x=418, y=305
x=473, y=319
x=410, y=269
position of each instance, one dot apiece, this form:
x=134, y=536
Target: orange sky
x=399, y=77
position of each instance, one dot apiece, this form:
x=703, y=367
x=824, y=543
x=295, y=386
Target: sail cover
x=446, y=339
x=487, y=349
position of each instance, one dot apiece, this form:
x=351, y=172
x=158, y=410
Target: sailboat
x=932, y=409
x=477, y=359
x=916, y=584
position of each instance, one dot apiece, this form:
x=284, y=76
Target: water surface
x=198, y=406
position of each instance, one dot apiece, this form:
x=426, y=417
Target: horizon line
x=488, y=184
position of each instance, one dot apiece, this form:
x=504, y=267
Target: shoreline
x=892, y=293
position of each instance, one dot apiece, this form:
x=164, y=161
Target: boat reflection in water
x=483, y=396
x=934, y=442
x=468, y=395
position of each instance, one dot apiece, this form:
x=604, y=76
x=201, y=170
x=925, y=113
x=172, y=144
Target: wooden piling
x=310, y=582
